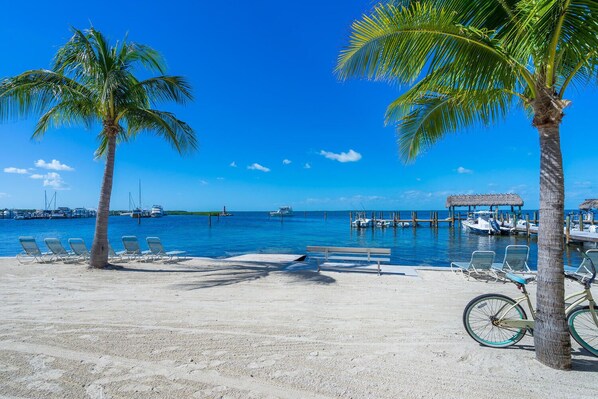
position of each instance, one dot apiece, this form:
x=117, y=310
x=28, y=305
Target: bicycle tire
x=583, y=329
x=478, y=320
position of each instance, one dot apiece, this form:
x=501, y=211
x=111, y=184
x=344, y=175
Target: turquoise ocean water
x=257, y=232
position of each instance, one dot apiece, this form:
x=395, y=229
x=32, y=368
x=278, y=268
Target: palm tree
x=93, y=82
x=467, y=64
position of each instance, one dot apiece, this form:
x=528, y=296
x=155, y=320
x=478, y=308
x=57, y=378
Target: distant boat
x=482, y=222
x=157, y=211
x=362, y=222
x=283, y=211
x=225, y=213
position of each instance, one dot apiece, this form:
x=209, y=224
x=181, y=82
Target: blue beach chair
x=515, y=260
x=585, y=268
x=480, y=266
x=156, y=248
x=133, y=250
x=79, y=248
x=59, y=251
x=31, y=252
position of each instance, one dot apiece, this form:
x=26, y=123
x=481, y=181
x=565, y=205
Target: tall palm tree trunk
x=551, y=338
x=99, y=249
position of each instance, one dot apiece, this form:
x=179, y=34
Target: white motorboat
x=157, y=211
x=482, y=222
x=283, y=211
x=361, y=223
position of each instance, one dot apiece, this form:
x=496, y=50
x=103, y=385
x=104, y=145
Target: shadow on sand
x=222, y=275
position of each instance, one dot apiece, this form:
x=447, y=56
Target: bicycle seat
x=520, y=279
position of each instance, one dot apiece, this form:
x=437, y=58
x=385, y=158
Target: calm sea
x=257, y=232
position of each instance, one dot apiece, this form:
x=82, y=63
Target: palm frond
x=398, y=43
x=424, y=117
x=167, y=88
x=165, y=124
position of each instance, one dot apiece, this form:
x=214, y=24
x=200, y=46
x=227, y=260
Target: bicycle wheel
x=482, y=313
x=583, y=329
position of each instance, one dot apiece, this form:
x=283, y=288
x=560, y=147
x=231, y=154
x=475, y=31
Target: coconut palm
x=467, y=64
x=92, y=82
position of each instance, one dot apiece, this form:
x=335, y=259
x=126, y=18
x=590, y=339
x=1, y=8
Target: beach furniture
x=79, y=248
x=156, y=248
x=515, y=260
x=336, y=256
x=59, y=251
x=115, y=256
x=585, y=268
x=31, y=252
x=133, y=250
x=480, y=265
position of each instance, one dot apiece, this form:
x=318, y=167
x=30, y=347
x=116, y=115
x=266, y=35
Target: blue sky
x=275, y=126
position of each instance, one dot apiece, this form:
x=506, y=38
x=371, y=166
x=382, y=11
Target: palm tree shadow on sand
x=235, y=274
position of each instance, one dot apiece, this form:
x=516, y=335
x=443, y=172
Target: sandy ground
x=211, y=329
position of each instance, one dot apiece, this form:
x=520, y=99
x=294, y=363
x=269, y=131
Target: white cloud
x=204, y=182
x=233, y=164
x=53, y=165
x=286, y=161
x=350, y=156
x=307, y=166
x=18, y=171
x=4, y=195
x=462, y=170
x=220, y=178
x=257, y=166
x=51, y=179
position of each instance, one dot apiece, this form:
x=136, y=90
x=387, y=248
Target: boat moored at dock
x=157, y=211
x=482, y=222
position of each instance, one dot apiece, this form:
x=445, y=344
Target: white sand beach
x=213, y=329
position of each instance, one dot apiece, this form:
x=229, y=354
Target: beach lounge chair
x=79, y=248
x=585, y=267
x=115, y=256
x=515, y=260
x=31, y=252
x=480, y=266
x=133, y=250
x=59, y=251
x=156, y=248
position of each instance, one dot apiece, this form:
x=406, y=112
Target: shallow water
x=248, y=232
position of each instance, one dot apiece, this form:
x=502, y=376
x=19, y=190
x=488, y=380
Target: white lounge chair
x=515, y=260
x=133, y=250
x=156, y=248
x=480, y=265
x=31, y=252
x=79, y=248
x=59, y=251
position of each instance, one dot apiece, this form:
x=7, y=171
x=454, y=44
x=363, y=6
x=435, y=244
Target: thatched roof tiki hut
x=589, y=204
x=490, y=200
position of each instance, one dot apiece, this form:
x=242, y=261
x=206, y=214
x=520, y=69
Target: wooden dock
x=397, y=219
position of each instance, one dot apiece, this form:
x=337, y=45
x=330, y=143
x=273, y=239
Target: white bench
x=355, y=254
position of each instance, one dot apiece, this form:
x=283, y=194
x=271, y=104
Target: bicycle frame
x=582, y=296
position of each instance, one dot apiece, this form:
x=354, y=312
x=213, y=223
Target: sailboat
x=138, y=212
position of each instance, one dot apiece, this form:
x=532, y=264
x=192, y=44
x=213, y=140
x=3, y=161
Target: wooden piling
x=580, y=221
x=527, y=225
x=568, y=230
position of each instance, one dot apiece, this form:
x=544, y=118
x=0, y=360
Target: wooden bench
x=325, y=254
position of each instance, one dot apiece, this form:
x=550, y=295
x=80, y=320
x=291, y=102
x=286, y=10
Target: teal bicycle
x=499, y=321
